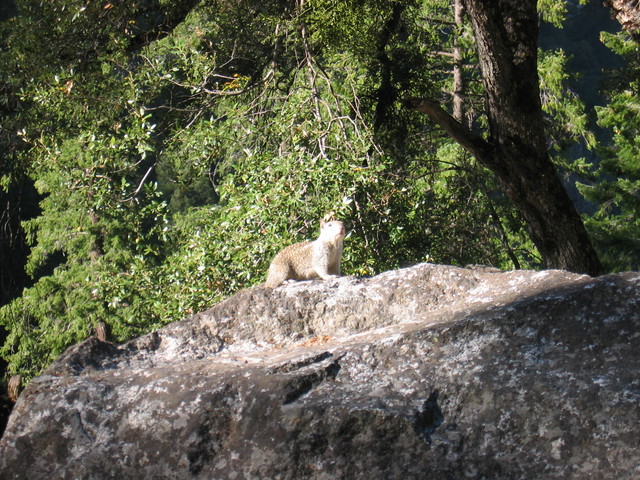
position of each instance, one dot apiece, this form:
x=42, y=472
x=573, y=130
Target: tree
x=615, y=184
x=506, y=35
x=627, y=12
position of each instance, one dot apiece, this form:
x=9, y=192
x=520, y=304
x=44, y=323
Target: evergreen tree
x=615, y=226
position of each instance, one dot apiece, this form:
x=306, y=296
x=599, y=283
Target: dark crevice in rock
x=428, y=418
x=302, y=385
x=305, y=362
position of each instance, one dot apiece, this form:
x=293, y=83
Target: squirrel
x=319, y=258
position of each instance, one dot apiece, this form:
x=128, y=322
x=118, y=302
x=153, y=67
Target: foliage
x=555, y=11
x=567, y=122
x=177, y=146
x=615, y=226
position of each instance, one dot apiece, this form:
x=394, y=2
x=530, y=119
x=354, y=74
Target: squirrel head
x=331, y=231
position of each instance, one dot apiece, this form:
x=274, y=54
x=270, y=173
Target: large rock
x=427, y=372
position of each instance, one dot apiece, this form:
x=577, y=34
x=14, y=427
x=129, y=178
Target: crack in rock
x=428, y=418
x=302, y=385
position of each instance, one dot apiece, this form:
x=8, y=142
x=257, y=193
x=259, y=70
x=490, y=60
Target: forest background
x=155, y=155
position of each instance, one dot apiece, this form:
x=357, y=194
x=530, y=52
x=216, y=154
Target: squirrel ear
x=322, y=222
x=329, y=216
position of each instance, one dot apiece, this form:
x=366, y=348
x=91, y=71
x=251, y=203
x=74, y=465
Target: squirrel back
x=319, y=258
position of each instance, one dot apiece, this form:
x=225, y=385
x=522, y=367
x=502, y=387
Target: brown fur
x=319, y=258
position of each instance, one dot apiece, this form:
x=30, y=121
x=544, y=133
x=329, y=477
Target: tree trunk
x=506, y=33
x=627, y=12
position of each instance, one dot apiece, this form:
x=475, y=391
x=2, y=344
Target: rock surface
x=426, y=372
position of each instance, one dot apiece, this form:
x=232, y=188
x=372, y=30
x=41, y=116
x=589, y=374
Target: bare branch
x=475, y=144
